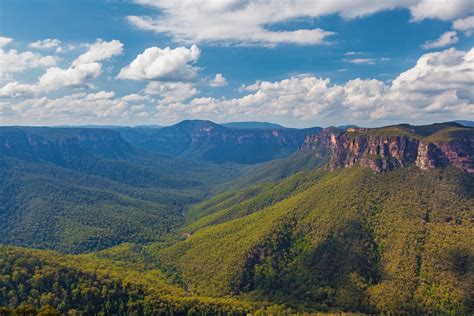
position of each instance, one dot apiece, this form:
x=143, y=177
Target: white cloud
x=465, y=25
x=446, y=39
x=163, y=64
x=75, y=76
x=99, y=51
x=101, y=95
x=171, y=92
x=83, y=68
x=75, y=108
x=368, y=61
x=12, y=61
x=218, y=81
x=441, y=9
x=438, y=87
x=16, y=89
x=79, y=74
x=351, y=53
x=247, y=21
x=48, y=43
x=134, y=97
x=438, y=72
x=5, y=41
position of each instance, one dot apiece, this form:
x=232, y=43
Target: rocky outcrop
x=429, y=156
x=378, y=153
x=384, y=153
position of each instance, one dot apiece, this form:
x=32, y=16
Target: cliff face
x=378, y=153
x=384, y=153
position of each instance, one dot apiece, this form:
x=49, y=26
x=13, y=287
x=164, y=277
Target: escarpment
x=389, y=148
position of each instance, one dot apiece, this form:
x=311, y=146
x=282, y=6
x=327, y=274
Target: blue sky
x=296, y=63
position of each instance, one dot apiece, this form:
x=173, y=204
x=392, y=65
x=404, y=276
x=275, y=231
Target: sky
x=297, y=63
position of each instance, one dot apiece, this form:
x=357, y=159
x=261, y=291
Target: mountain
x=356, y=220
x=252, y=125
x=465, y=123
x=148, y=126
x=208, y=141
x=350, y=236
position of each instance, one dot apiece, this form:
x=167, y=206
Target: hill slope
x=351, y=240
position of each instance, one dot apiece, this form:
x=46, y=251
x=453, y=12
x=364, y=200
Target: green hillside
x=347, y=240
x=352, y=240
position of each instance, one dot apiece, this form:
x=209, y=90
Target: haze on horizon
x=298, y=64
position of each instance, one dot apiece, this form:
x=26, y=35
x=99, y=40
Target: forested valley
x=113, y=221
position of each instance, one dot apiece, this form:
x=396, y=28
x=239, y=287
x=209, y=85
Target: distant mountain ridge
x=208, y=141
x=465, y=123
x=52, y=144
x=253, y=125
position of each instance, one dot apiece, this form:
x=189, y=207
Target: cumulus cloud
x=247, y=21
x=16, y=89
x=135, y=97
x=163, y=64
x=13, y=61
x=76, y=76
x=438, y=87
x=99, y=51
x=218, y=81
x=5, y=41
x=83, y=69
x=465, y=25
x=441, y=9
x=446, y=39
x=48, y=43
x=75, y=108
x=171, y=92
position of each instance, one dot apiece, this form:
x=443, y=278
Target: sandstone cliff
x=388, y=148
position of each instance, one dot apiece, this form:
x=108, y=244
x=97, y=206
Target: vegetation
x=88, y=285
x=436, y=133
x=58, y=193
x=450, y=134
x=352, y=240
x=140, y=234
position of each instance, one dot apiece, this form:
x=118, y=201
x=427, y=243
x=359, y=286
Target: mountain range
x=206, y=218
